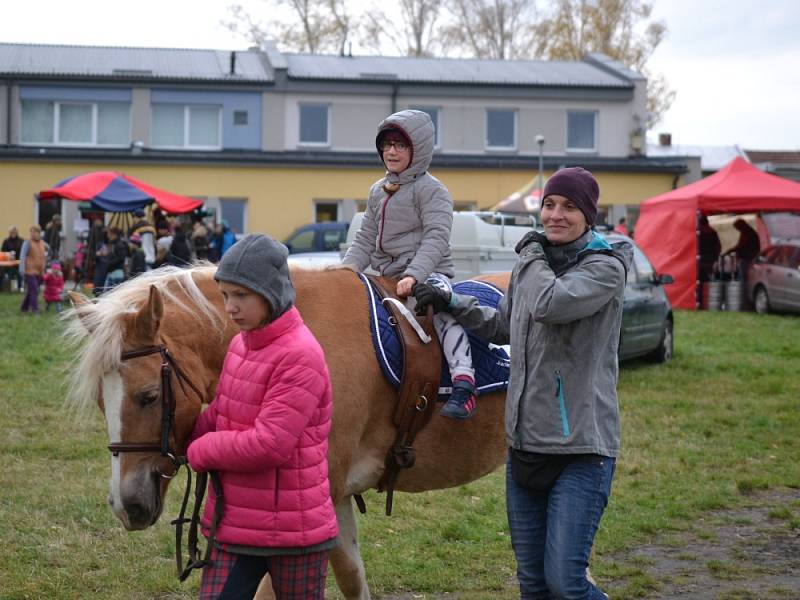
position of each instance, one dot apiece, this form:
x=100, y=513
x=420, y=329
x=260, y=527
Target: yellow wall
x=281, y=198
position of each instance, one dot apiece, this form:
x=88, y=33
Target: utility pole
x=540, y=140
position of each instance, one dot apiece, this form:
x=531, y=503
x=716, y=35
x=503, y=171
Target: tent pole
x=698, y=292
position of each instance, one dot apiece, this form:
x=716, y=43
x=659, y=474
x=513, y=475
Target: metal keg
x=734, y=295
x=714, y=294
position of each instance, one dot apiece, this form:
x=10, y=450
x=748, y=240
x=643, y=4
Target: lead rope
x=194, y=561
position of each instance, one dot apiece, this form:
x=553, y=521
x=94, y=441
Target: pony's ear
x=149, y=317
x=83, y=307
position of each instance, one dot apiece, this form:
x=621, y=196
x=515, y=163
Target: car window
x=785, y=257
x=769, y=254
x=794, y=262
x=302, y=241
x=332, y=238
x=644, y=270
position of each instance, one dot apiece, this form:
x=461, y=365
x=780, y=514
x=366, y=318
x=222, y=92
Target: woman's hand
x=405, y=286
x=430, y=295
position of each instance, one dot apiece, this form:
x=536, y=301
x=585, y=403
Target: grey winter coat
x=408, y=232
x=562, y=315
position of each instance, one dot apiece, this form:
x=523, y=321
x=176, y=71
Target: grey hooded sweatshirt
x=407, y=233
x=562, y=315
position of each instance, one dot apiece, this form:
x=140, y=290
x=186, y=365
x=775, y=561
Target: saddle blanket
x=491, y=362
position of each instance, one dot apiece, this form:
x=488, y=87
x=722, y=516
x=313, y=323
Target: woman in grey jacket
x=561, y=314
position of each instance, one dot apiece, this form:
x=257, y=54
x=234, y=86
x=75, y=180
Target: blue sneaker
x=463, y=402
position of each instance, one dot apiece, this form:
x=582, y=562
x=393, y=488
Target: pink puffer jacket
x=267, y=434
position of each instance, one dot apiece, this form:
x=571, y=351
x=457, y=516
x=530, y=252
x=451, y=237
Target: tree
x=499, y=29
x=313, y=26
x=613, y=27
x=416, y=34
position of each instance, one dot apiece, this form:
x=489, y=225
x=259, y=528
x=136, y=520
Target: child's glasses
x=399, y=146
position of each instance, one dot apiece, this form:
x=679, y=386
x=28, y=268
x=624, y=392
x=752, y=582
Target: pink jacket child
x=266, y=433
x=53, y=286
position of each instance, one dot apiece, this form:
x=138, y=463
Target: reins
x=169, y=366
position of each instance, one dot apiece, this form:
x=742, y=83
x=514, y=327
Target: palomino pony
x=183, y=310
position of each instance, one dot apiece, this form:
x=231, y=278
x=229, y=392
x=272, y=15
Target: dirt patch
x=746, y=553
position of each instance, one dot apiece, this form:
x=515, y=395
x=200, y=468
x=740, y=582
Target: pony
x=183, y=310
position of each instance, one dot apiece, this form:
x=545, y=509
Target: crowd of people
x=106, y=255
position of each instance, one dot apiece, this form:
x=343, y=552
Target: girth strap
x=422, y=363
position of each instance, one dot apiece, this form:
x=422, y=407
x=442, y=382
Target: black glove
x=427, y=295
x=532, y=236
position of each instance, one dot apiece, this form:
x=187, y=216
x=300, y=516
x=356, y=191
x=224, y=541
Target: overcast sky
x=735, y=64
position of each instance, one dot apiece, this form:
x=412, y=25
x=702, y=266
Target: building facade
x=272, y=140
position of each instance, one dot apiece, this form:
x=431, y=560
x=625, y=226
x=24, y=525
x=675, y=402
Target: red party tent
x=666, y=228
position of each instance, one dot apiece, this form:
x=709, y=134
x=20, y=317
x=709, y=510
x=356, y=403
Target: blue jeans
x=552, y=532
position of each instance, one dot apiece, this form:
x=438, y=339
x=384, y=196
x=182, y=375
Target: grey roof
x=453, y=71
x=712, y=158
x=37, y=60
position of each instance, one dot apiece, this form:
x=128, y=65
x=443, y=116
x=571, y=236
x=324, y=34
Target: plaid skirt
x=236, y=576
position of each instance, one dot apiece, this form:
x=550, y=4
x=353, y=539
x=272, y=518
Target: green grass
x=709, y=430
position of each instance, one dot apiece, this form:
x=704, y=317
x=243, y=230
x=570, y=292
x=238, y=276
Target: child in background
x=53, y=287
x=406, y=234
x=266, y=432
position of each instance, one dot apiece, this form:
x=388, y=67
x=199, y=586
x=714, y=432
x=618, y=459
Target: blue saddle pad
x=491, y=363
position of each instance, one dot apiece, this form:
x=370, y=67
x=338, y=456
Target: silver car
x=773, y=279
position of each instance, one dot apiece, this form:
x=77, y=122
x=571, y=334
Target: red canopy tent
x=666, y=228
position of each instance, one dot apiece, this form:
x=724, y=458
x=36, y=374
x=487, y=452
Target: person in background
x=33, y=258
x=147, y=235
x=163, y=243
x=53, y=286
x=52, y=237
x=562, y=315
x=746, y=249
x=115, y=259
x=405, y=234
x=200, y=240
x=709, y=248
x=266, y=434
x=136, y=257
x=13, y=245
x=180, y=252
x=622, y=226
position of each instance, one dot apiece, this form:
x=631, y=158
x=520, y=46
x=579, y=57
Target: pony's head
x=171, y=309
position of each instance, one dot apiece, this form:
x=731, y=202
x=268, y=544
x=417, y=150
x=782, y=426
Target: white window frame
x=592, y=150
x=187, y=123
x=57, y=104
x=327, y=107
x=437, y=140
x=511, y=148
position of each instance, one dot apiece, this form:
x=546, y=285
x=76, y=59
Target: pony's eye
x=146, y=398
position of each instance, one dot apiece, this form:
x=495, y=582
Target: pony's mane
x=96, y=329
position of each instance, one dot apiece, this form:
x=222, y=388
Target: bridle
x=167, y=400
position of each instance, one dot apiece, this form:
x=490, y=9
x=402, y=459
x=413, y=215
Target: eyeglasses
x=399, y=146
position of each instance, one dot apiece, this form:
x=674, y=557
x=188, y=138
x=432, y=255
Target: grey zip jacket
x=408, y=232
x=561, y=314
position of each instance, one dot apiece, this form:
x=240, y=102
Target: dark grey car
x=773, y=279
x=647, y=313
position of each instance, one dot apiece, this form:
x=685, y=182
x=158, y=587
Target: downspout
x=394, y=97
x=8, y=112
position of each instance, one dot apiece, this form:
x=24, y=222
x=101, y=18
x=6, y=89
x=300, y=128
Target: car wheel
x=664, y=351
x=761, y=301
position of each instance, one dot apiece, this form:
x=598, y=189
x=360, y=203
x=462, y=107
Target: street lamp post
x=540, y=141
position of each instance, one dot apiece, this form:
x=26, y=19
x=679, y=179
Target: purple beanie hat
x=578, y=185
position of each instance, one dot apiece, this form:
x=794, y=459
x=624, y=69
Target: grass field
x=706, y=431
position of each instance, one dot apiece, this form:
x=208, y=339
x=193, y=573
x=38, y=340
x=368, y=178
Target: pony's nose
x=138, y=514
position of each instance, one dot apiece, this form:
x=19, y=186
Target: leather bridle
x=167, y=400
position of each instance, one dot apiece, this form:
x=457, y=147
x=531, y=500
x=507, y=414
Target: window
x=644, y=270
x=501, y=129
x=179, y=126
x=232, y=210
x=581, y=131
x=314, y=124
x=433, y=112
x=302, y=241
x=76, y=123
x=240, y=117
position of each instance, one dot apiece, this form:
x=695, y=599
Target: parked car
x=317, y=237
x=773, y=279
x=647, y=324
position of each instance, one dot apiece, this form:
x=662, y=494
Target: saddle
x=416, y=400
